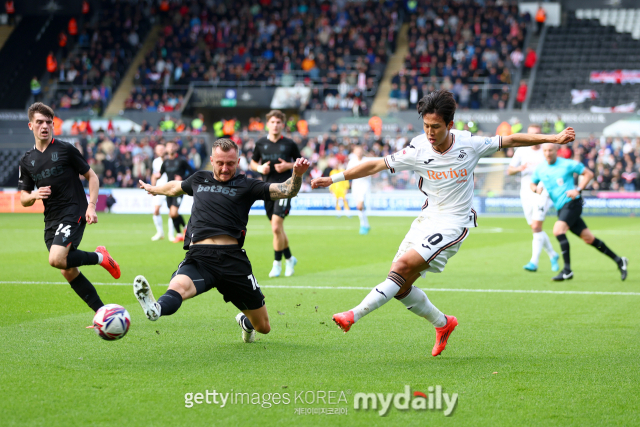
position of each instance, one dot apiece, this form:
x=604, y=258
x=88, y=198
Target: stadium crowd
x=99, y=56
x=339, y=49
x=120, y=161
x=461, y=46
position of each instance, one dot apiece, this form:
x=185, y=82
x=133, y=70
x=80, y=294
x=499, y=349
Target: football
x=111, y=322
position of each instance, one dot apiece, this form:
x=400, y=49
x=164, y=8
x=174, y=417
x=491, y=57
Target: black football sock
x=287, y=253
x=170, y=302
x=181, y=219
x=247, y=323
x=176, y=223
x=564, y=247
x=86, y=291
x=278, y=255
x=599, y=245
x=76, y=258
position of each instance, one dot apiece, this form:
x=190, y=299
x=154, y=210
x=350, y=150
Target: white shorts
x=436, y=243
x=535, y=206
x=359, y=192
x=159, y=200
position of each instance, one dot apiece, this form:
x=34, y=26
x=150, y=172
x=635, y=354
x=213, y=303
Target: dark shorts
x=570, y=213
x=174, y=201
x=226, y=268
x=279, y=208
x=68, y=231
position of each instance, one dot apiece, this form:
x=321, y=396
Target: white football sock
x=417, y=302
x=536, y=247
x=364, y=222
x=378, y=296
x=100, y=257
x=546, y=244
x=157, y=220
x=172, y=229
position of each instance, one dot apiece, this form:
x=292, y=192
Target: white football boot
x=157, y=236
x=142, y=291
x=289, y=264
x=276, y=269
x=247, y=336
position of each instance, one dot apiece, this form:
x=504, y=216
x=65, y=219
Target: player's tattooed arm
x=290, y=187
x=287, y=189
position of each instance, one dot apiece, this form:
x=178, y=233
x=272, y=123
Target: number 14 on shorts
x=64, y=229
x=254, y=282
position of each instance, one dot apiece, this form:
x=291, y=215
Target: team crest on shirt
x=487, y=141
x=462, y=155
x=54, y=157
x=33, y=162
x=282, y=148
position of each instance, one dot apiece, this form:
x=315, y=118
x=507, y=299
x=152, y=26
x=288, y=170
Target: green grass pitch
x=517, y=358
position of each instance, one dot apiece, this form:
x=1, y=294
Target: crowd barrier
x=386, y=203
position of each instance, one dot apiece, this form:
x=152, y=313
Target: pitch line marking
x=358, y=288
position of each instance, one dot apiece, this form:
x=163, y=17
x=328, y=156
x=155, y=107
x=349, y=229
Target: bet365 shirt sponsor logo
x=54, y=171
x=217, y=189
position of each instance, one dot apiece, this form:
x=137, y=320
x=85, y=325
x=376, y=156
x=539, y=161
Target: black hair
x=440, y=102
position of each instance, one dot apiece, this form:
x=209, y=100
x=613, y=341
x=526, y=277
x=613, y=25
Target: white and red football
x=111, y=322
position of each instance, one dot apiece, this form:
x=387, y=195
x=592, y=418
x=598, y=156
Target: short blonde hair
x=225, y=145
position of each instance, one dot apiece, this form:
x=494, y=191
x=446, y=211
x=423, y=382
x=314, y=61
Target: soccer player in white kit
x=158, y=201
x=360, y=189
x=535, y=206
x=443, y=160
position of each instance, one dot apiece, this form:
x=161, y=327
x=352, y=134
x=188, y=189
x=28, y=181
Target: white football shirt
x=446, y=179
x=362, y=183
x=531, y=158
x=156, y=166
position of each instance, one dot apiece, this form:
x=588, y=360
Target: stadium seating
x=23, y=57
x=313, y=43
x=573, y=51
x=91, y=73
x=456, y=46
x=9, y=159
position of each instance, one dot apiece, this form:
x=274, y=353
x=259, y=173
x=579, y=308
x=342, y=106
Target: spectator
x=36, y=89
x=541, y=17
x=522, y=93
x=530, y=59
x=629, y=177
x=516, y=57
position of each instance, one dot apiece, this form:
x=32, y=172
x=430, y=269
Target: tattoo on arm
x=287, y=189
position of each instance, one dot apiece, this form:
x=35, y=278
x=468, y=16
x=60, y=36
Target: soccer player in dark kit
x=216, y=232
x=177, y=168
x=54, y=167
x=277, y=155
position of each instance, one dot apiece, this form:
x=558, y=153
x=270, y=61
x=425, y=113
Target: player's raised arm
x=290, y=187
x=171, y=189
x=368, y=168
x=527, y=139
